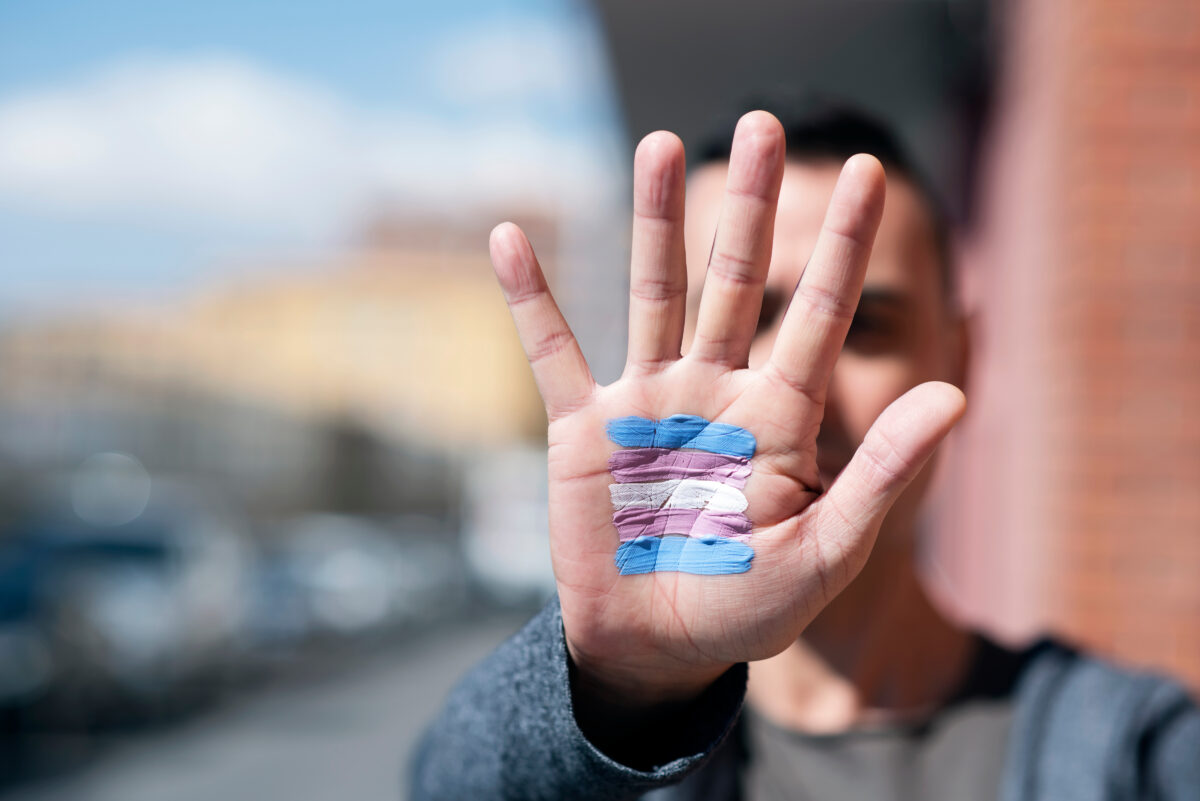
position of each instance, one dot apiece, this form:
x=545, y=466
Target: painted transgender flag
x=677, y=498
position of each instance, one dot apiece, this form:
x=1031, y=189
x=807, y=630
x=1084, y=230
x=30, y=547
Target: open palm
x=666, y=634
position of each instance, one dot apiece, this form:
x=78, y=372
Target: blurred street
x=341, y=732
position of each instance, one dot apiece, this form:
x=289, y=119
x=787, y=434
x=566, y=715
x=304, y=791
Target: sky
x=148, y=146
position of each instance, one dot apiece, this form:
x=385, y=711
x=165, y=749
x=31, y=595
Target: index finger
x=741, y=252
x=658, y=274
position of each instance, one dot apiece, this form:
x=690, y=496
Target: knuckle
x=733, y=269
x=822, y=301
x=846, y=235
x=657, y=290
x=714, y=349
x=886, y=466
x=520, y=297
x=549, y=346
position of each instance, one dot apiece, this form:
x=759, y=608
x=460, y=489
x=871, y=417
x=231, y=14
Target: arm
x=509, y=731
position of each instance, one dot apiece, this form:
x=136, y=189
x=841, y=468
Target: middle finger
x=741, y=252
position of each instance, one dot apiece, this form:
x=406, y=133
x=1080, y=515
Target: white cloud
x=219, y=141
x=521, y=62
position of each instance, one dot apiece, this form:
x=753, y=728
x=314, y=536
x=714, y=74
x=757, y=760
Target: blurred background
x=272, y=462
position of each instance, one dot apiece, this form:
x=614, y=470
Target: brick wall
x=1078, y=475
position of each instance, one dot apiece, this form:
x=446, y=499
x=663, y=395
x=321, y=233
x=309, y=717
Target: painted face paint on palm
x=677, y=499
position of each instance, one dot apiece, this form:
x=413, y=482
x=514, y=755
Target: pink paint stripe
x=662, y=464
x=634, y=522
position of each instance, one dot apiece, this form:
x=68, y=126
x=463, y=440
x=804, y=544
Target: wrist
x=641, y=704
x=632, y=686
x=650, y=726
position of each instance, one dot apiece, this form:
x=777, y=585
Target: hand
x=664, y=636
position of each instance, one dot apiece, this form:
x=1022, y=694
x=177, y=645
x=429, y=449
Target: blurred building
x=1083, y=450
x=374, y=367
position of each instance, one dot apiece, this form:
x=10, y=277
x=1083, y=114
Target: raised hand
x=664, y=635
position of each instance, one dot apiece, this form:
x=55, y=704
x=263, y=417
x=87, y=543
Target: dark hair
x=820, y=129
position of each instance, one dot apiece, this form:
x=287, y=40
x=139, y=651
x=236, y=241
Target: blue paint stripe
x=704, y=557
x=682, y=431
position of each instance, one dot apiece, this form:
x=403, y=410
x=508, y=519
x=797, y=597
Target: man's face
x=905, y=332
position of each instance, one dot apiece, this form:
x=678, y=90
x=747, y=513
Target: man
x=830, y=406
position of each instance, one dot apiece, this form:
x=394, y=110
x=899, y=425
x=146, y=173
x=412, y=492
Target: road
x=345, y=736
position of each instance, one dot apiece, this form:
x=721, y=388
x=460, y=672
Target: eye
x=875, y=331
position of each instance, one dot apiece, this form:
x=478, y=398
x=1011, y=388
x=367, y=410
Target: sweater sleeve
x=1173, y=754
x=508, y=730
x=1088, y=729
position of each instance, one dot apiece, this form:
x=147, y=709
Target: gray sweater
x=1083, y=730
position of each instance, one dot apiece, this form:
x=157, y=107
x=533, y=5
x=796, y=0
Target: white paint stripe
x=686, y=493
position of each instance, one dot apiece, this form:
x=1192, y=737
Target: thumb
x=896, y=448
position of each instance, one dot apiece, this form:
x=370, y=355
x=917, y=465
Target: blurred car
x=108, y=611
x=342, y=575
x=24, y=654
x=506, y=527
